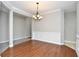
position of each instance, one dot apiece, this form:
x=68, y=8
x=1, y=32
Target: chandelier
x=37, y=15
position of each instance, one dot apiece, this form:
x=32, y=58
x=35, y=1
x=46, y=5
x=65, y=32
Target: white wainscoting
x=77, y=44
x=51, y=37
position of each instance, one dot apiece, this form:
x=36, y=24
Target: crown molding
x=51, y=11
x=16, y=10
x=7, y=4
x=19, y=11
x=22, y=12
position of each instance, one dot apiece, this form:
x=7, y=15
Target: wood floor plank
x=34, y=48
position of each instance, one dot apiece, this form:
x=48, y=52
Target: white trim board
x=49, y=41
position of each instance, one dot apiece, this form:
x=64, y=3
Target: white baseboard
x=77, y=51
x=52, y=37
x=70, y=44
x=11, y=45
x=49, y=42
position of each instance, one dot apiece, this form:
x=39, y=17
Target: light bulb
x=33, y=16
x=38, y=15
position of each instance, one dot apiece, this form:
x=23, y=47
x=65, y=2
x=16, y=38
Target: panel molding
x=19, y=38
x=4, y=41
x=16, y=39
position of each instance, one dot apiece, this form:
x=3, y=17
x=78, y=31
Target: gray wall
x=28, y=24
x=78, y=17
x=0, y=24
x=21, y=26
x=70, y=26
x=50, y=23
x=77, y=40
x=18, y=26
x=4, y=24
x=4, y=27
x=50, y=28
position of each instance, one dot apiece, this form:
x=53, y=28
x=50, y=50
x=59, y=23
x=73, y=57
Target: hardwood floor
x=34, y=48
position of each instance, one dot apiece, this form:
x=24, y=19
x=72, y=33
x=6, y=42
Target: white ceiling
x=44, y=6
